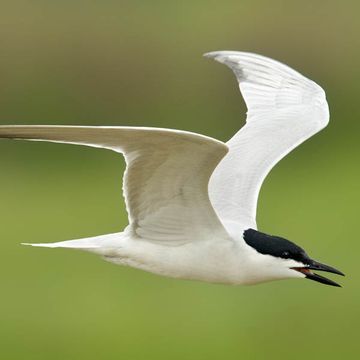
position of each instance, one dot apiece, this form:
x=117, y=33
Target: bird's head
x=284, y=259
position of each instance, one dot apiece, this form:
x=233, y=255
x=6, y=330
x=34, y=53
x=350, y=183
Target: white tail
x=87, y=244
x=70, y=244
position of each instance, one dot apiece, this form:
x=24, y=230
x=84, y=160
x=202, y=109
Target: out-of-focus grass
x=137, y=63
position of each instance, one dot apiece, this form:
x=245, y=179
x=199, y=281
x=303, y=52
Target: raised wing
x=284, y=109
x=165, y=184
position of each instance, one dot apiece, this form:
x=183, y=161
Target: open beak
x=314, y=265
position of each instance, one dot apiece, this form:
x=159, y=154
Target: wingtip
x=226, y=53
x=226, y=56
x=216, y=55
x=210, y=54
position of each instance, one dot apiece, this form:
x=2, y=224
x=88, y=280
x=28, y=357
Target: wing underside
x=284, y=109
x=165, y=183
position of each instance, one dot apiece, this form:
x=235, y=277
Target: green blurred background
x=139, y=63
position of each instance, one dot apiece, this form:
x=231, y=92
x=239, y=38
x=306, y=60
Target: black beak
x=314, y=265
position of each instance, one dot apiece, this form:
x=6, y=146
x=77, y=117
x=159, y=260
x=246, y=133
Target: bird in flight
x=191, y=200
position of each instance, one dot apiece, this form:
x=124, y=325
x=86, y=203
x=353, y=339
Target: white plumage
x=178, y=225
x=284, y=109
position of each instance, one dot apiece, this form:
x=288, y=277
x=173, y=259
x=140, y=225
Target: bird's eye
x=285, y=254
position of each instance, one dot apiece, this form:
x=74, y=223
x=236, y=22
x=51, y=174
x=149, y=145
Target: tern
x=191, y=199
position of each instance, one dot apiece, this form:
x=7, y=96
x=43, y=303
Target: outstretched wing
x=166, y=181
x=284, y=109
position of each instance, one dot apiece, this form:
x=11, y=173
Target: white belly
x=203, y=260
x=222, y=261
